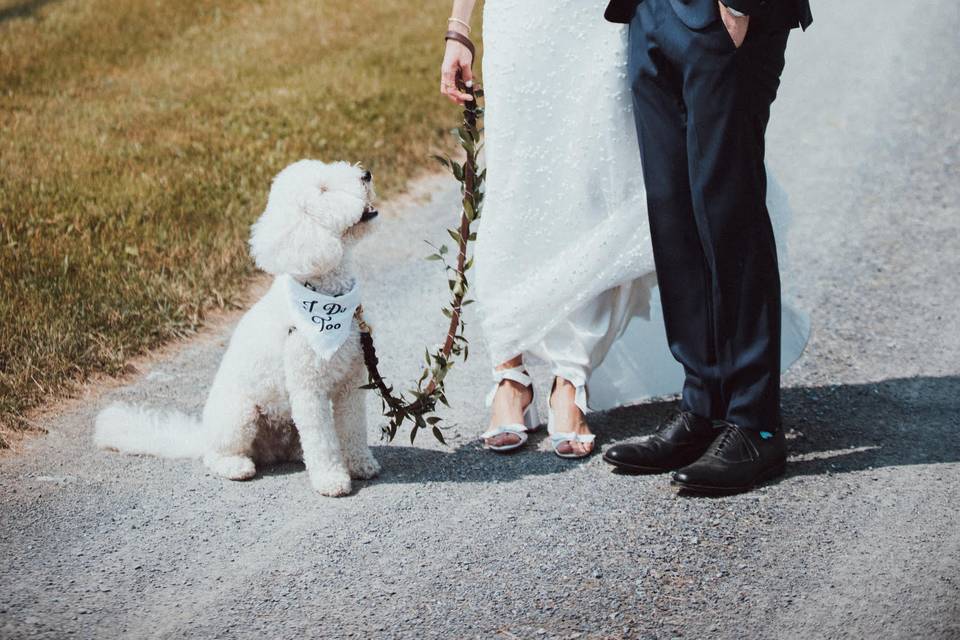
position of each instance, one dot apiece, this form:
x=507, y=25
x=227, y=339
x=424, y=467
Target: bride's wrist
x=458, y=25
x=463, y=39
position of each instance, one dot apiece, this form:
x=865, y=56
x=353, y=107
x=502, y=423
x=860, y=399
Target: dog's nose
x=369, y=215
x=367, y=176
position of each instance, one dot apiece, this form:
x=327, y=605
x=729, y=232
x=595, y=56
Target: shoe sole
x=503, y=450
x=766, y=476
x=635, y=468
x=571, y=456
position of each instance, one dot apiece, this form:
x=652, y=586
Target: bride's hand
x=457, y=61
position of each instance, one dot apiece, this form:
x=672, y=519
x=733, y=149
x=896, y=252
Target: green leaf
x=434, y=256
x=439, y=435
x=442, y=160
x=455, y=235
x=432, y=420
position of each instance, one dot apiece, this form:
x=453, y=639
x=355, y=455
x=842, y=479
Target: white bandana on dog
x=325, y=320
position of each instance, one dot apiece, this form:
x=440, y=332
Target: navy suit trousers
x=702, y=107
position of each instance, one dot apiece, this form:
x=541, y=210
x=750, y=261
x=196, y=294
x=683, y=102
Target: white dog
x=288, y=385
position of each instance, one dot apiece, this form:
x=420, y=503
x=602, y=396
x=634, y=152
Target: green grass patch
x=137, y=142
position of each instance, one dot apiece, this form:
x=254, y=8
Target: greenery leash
x=430, y=387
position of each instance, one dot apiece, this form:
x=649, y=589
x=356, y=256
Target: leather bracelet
x=462, y=39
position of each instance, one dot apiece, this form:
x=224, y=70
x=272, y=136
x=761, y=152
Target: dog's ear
x=302, y=250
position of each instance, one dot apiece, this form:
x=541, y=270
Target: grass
x=137, y=142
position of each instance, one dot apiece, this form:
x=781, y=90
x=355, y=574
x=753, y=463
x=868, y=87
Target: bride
x=565, y=270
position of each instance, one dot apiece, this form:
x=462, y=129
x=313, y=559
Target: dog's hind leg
x=312, y=414
x=350, y=417
x=230, y=467
x=233, y=428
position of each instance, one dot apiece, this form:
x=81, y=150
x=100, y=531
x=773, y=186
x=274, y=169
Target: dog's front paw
x=364, y=467
x=230, y=467
x=331, y=484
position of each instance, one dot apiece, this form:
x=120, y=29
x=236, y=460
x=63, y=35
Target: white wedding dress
x=565, y=269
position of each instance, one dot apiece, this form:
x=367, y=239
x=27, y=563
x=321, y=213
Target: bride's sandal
x=517, y=432
x=557, y=439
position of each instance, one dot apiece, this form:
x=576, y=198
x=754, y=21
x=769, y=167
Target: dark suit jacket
x=697, y=14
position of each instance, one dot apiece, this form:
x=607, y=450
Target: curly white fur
x=273, y=398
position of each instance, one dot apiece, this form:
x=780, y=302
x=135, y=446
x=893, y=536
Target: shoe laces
x=732, y=434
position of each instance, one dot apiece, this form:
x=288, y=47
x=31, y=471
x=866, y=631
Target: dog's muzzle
x=369, y=214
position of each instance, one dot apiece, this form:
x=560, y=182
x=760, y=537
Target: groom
x=704, y=75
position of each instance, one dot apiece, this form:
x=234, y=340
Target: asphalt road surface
x=861, y=539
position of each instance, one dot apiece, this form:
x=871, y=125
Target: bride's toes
x=580, y=448
x=503, y=440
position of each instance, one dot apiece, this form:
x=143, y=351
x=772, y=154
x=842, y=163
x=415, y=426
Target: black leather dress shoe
x=676, y=443
x=737, y=461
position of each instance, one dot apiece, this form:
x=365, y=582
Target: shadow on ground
x=844, y=428
x=831, y=429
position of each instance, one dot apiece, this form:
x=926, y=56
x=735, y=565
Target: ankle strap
x=517, y=374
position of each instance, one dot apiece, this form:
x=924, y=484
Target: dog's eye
x=367, y=176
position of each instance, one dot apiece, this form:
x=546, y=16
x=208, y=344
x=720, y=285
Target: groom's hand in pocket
x=736, y=25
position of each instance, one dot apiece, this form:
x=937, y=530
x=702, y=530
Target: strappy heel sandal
x=531, y=421
x=557, y=439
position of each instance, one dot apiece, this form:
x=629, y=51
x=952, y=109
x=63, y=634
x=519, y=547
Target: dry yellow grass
x=137, y=141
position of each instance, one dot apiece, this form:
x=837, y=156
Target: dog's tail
x=164, y=433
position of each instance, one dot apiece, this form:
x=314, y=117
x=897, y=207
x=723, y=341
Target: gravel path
x=860, y=540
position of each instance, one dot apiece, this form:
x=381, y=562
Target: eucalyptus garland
x=418, y=405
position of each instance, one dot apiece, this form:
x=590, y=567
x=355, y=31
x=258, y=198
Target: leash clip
x=364, y=327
